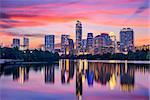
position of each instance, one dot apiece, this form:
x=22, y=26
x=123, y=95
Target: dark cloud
x=4, y=15
x=23, y=34
x=23, y=3
x=5, y=26
x=143, y=7
x=10, y=21
x=7, y=22
x=8, y=16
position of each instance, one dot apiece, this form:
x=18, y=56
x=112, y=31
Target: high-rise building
x=26, y=43
x=106, y=39
x=103, y=44
x=64, y=43
x=114, y=42
x=97, y=44
x=16, y=43
x=117, y=47
x=83, y=46
x=78, y=36
x=89, y=42
x=126, y=39
x=49, y=42
x=71, y=46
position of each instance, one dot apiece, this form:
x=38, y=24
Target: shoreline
x=2, y=61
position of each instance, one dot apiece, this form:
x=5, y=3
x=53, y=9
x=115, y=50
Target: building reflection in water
x=79, y=70
x=71, y=71
x=81, y=75
x=127, y=78
x=49, y=74
x=21, y=74
x=67, y=71
x=102, y=73
x=112, y=82
x=89, y=72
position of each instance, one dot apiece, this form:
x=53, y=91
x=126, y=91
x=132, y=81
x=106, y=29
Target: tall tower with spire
x=78, y=36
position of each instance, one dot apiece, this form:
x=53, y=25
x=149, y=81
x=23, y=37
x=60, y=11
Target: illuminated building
x=78, y=36
x=83, y=46
x=89, y=43
x=97, y=41
x=117, y=47
x=103, y=44
x=64, y=43
x=126, y=40
x=25, y=43
x=71, y=47
x=16, y=43
x=114, y=42
x=49, y=42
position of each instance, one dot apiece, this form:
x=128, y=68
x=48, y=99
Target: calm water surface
x=71, y=80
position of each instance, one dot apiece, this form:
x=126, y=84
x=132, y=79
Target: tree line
x=39, y=55
x=28, y=55
x=137, y=55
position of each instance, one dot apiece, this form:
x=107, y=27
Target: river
x=76, y=79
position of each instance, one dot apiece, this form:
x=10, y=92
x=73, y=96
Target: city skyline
x=57, y=44
x=53, y=17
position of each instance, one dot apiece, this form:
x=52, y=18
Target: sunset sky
x=35, y=18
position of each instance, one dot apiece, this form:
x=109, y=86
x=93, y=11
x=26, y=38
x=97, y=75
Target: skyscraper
x=83, y=46
x=16, y=43
x=106, y=39
x=97, y=44
x=49, y=42
x=64, y=43
x=71, y=46
x=126, y=39
x=26, y=43
x=89, y=42
x=78, y=36
x=102, y=44
x=114, y=42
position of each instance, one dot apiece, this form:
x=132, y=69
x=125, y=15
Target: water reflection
x=67, y=71
x=83, y=72
x=49, y=74
x=21, y=74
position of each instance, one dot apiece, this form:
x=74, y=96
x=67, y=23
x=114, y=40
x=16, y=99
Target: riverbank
x=143, y=55
x=46, y=56
x=121, y=61
x=11, y=61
